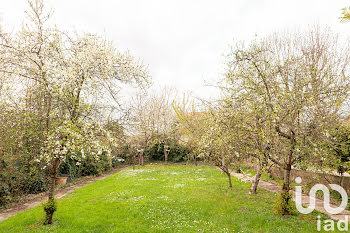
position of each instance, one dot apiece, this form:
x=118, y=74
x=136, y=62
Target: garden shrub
x=285, y=204
x=20, y=175
x=90, y=166
x=49, y=207
x=178, y=152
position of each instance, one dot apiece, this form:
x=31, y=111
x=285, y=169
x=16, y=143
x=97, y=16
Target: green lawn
x=163, y=199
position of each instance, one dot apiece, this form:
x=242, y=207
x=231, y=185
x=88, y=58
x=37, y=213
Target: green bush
x=20, y=175
x=23, y=175
x=90, y=166
x=285, y=204
x=49, y=207
x=178, y=153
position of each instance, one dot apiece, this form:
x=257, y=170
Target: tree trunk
x=270, y=171
x=255, y=182
x=225, y=170
x=342, y=179
x=285, y=195
x=286, y=178
x=49, y=214
x=166, y=151
x=51, y=191
x=229, y=179
x=141, y=158
x=222, y=164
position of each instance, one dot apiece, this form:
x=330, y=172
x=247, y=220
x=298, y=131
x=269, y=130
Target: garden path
x=274, y=187
x=59, y=193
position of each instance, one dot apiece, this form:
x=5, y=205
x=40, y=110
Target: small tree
x=213, y=133
x=153, y=118
x=79, y=140
x=300, y=79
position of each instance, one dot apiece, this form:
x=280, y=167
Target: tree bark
x=255, y=182
x=141, y=158
x=166, y=151
x=285, y=194
x=270, y=170
x=229, y=179
x=51, y=191
x=289, y=162
x=222, y=164
x=225, y=170
x=286, y=178
x=342, y=179
x=286, y=197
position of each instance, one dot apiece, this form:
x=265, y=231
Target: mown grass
x=163, y=199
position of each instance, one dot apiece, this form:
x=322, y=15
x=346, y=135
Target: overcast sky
x=183, y=41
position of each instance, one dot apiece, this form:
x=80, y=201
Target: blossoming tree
x=69, y=82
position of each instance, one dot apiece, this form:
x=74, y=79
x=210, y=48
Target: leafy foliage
x=345, y=15
x=178, y=152
x=49, y=207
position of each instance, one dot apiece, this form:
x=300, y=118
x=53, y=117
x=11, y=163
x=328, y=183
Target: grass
x=163, y=199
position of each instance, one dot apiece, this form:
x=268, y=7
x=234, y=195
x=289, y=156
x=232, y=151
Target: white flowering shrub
x=79, y=140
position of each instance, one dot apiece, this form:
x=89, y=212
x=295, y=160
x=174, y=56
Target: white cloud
x=183, y=41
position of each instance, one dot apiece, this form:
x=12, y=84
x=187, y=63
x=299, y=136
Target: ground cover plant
x=159, y=198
